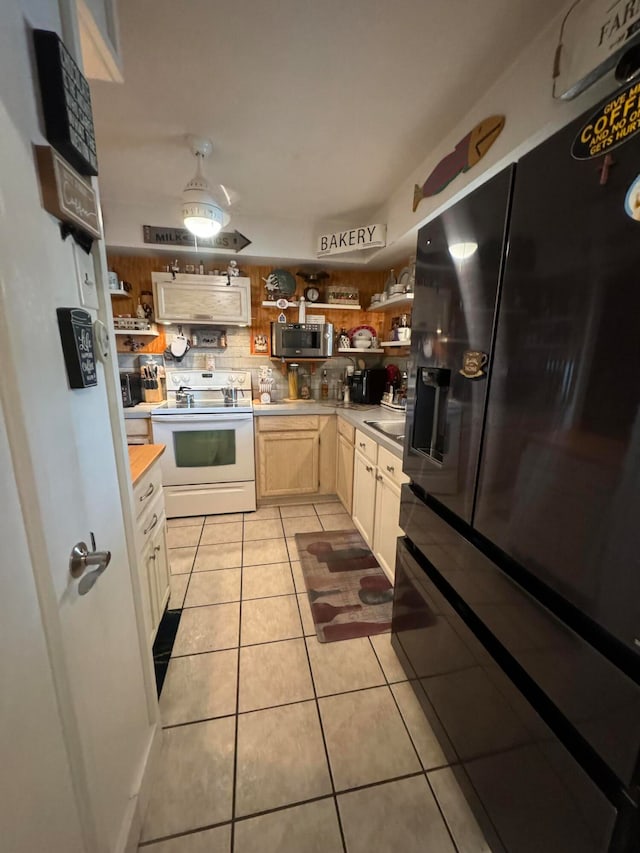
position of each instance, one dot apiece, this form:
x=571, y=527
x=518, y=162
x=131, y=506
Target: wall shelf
x=395, y=343
x=348, y=306
x=122, y=292
x=359, y=351
x=135, y=333
x=401, y=300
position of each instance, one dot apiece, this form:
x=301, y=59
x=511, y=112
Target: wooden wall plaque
x=66, y=194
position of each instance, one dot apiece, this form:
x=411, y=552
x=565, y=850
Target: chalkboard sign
x=66, y=103
x=76, y=334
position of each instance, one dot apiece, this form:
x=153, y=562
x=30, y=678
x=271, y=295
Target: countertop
x=142, y=410
x=142, y=457
x=354, y=414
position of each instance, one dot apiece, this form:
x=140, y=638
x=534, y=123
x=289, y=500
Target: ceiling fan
x=204, y=209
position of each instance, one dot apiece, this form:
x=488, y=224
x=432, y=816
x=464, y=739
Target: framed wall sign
x=65, y=194
x=66, y=103
x=76, y=334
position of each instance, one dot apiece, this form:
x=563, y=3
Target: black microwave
x=301, y=340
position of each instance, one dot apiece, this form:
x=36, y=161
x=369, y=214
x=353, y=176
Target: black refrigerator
x=517, y=596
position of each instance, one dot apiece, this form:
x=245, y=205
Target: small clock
x=311, y=294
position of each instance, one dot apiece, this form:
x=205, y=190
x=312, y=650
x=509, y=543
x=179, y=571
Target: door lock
x=82, y=559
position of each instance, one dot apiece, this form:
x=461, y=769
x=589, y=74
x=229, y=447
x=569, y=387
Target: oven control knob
x=231, y=379
x=240, y=379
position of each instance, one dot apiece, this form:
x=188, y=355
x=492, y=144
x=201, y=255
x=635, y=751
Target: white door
x=61, y=448
x=364, y=496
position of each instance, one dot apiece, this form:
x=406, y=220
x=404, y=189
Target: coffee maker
x=367, y=385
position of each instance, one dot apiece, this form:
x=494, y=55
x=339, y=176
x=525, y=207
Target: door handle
x=82, y=559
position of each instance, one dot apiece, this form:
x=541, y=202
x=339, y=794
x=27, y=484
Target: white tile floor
x=274, y=742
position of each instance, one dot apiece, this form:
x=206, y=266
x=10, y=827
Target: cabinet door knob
x=369, y=468
x=362, y=444
x=379, y=477
x=390, y=469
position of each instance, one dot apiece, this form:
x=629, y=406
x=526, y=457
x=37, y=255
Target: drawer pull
x=390, y=469
x=151, y=557
x=152, y=525
x=148, y=493
x=157, y=548
x=369, y=468
x=362, y=444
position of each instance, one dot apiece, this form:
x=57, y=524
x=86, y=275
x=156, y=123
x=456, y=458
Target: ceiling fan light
x=201, y=213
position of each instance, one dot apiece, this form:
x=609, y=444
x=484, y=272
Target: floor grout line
x=324, y=739
x=235, y=744
x=316, y=698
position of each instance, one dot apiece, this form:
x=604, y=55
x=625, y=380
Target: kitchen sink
x=392, y=429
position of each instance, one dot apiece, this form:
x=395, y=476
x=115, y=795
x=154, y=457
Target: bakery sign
x=352, y=240
x=594, y=37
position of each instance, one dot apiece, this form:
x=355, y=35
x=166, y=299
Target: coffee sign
x=352, y=240
x=615, y=122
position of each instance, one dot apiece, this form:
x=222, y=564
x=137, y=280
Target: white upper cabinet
x=198, y=299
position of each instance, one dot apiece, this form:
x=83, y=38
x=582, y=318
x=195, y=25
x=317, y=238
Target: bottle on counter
x=293, y=381
x=324, y=387
x=201, y=268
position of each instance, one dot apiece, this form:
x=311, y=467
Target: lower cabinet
x=344, y=472
x=151, y=542
x=295, y=455
x=386, y=529
x=138, y=430
x=364, y=496
x=377, y=477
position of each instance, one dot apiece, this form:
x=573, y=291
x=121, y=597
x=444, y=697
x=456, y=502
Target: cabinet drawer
x=346, y=429
x=149, y=522
x=136, y=426
x=391, y=466
x=367, y=446
x=147, y=488
x=276, y=423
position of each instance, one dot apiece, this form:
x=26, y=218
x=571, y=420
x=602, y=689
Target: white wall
x=98, y=725
x=272, y=238
x=523, y=96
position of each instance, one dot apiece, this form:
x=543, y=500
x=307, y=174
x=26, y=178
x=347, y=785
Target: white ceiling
x=317, y=108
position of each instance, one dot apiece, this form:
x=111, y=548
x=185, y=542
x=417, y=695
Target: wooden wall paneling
x=136, y=270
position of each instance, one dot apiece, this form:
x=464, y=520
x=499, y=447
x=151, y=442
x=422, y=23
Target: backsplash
x=237, y=356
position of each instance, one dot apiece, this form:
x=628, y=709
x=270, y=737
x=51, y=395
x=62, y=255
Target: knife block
x=153, y=395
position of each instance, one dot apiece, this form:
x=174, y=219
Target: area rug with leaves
x=349, y=594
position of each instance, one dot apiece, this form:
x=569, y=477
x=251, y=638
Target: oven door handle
x=200, y=419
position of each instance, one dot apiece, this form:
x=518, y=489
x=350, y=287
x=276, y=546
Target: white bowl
x=362, y=343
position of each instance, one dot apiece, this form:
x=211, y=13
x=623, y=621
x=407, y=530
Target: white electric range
x=207, y=427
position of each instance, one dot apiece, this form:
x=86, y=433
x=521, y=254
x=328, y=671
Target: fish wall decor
x=466, y=154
